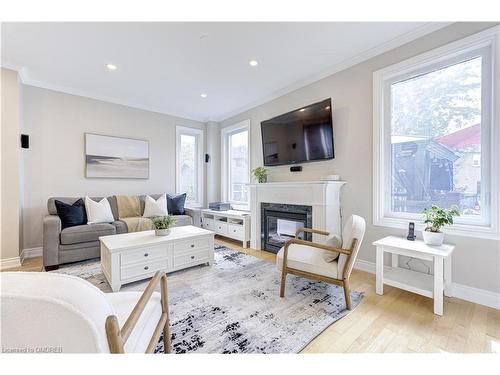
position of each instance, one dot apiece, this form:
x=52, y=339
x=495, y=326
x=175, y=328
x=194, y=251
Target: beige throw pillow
x=333, y=241
x=128, y=206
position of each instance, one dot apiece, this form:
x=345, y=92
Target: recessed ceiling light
x=253, y=62
x=111, y=66
x=302, y=109
x=203, y=95
x=327, y=107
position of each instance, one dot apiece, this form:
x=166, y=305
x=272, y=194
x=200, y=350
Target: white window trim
x=225, y=132
x=181, y=130
x=488, y=38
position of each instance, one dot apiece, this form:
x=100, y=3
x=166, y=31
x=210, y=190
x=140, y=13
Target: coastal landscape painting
x=116, y=157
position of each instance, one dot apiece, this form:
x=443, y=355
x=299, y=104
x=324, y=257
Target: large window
x=189, y=165
x=235, y=160
x=433, y=136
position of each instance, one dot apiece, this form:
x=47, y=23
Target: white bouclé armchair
x=50, y=312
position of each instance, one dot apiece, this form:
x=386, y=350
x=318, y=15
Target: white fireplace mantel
x=323, y=196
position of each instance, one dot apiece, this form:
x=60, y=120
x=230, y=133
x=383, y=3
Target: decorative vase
x=262, y=179
x=162, y=232
x=433, y=238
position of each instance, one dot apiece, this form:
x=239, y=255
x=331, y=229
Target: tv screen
x=303, y=135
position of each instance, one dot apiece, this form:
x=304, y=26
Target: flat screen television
x=299, y=136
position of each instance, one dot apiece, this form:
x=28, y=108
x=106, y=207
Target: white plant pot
x=162, y=232
x=433, y=238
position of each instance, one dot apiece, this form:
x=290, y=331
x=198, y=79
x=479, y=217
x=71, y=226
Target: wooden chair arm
x=118, y=337
x=310, y=230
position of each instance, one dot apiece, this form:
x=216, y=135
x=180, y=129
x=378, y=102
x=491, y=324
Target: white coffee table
x=431, y=286
x=130, y=257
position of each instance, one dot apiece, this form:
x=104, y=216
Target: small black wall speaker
x=207, y=158
x=296, y=168
x=25, y=141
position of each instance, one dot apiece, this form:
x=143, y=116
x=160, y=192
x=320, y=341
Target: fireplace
x=279, y=223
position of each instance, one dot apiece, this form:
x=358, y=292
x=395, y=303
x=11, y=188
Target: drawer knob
x=192, y=245
x=146, y=254
x=192, y=256
x=146, y=268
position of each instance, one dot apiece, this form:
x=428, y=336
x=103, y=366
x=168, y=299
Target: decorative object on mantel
x=411, y=232
x=435, y=218
x=260, y=174
x=116, y=157
x=162, y=224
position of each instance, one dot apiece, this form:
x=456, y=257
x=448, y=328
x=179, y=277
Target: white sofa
x=49, y=312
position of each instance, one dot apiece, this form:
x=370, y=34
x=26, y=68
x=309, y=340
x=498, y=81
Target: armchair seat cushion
x=123, y=304
x=308, y=259
x=86, y=233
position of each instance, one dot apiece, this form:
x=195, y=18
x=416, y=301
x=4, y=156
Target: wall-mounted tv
x=303, y=135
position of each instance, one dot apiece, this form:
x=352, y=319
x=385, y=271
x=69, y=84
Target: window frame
x=199, y=134
x=453, y=53
x=225, y=172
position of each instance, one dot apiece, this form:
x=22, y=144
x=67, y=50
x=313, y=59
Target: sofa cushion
x=181, y=220
x=175, y=203
x=71, y=214
x=121, y=226
x=86, y=233
x=308, y=259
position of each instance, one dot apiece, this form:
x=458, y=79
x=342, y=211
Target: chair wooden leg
x=167, y=343
x=113, y=334
x=283, y=283
x=347, y=294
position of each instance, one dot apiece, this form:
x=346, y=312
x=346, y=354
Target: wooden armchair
x=304, y=258
x=117, y=337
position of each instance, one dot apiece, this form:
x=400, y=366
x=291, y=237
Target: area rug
x=234, y=306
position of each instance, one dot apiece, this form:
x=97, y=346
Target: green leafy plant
x=436, y=217
x=260, y=174
x=163, y=222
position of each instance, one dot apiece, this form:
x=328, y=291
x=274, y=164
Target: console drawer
x=236, y=231
x=190, y=246
x=208, y=224
x=220, y=228
x=193, y=257
x=144, y=269
x=143, y=255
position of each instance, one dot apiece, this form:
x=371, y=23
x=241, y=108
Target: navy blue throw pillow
x=175, y=204
x=71, y=214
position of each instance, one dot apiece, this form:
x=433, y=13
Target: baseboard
x=31, y=253
x=467, y=293
x=10, y=263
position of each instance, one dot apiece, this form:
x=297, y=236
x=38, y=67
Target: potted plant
x=436, y=217
x=162, y=224
x=260, y=174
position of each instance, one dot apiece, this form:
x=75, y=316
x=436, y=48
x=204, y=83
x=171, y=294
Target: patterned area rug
x=234, y=305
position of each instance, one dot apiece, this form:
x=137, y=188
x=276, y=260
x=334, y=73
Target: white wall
x=10, y=168
x=476, y=262
x=213, y=146
x=54, y=165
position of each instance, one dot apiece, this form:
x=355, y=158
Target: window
x=235, y=164
x=433, y=131
x=189, y=164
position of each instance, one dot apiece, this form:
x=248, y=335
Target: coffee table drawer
x=190, y=246
x=193, y=257
x=144, y=269
x=143, y=255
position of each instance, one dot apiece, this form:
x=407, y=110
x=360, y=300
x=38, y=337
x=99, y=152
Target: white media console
x=232, y=224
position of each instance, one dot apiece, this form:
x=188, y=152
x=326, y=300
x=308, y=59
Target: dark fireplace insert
x=279, y=223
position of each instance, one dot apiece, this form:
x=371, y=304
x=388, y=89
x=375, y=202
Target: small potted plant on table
x=162, y=224
x=260, y=174
x=436, y=217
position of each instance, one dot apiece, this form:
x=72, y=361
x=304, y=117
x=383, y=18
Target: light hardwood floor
x=397, y=322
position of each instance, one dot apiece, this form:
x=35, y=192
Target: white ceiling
x=164, y=67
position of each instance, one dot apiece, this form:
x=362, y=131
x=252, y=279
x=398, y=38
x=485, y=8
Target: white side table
x=431, y=286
